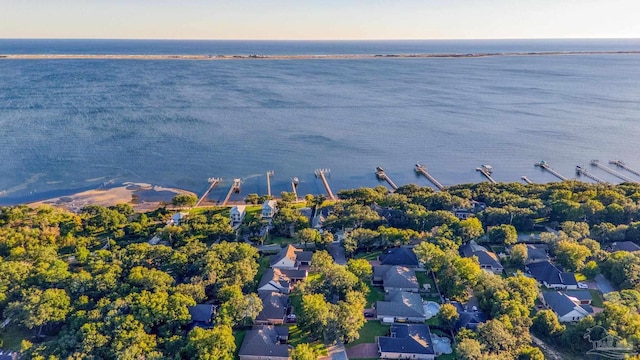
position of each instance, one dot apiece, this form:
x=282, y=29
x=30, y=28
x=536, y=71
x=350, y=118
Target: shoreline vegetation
x=298, y=57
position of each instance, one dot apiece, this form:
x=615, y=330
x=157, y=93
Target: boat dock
x=234, y=188
x=622, y=165
x=269, y=175
x=294, y=186
x=420, y=169
x=380, y=174
x=321, y=173
x=581, y=171
x=213, y=182
x=543, y=165
x=597, y=164
x=526, y=180
x=486, y=170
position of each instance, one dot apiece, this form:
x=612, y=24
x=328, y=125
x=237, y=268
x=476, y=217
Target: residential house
x=567, y=308
x=201, y=315
x=488, y=260
x=407, y=341
x=237, y=214
x=401, y=306
x=395, y=278
x=269, y=209
x=280, y=280
x=583, y=297
x=177, y=218
x=629, y=246
x=265, y=342
x=469, y=316
x=291, y=258
x=274, y=308
x=403, y=256
x=465, y=213
x=550, y=276
x=537, y=253
x=321, y=215
x=306, y=212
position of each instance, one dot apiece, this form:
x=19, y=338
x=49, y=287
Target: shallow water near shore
x=71, y=125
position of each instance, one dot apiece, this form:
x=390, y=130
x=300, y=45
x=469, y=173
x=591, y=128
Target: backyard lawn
x=597, y=298
x=297, y=336
x=424, y=278
x=368, y=255
x=375, y=294
x=368, y=333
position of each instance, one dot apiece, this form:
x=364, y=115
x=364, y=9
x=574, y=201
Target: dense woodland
x=89, y=286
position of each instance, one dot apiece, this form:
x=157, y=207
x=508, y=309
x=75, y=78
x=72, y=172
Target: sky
x=319, y=19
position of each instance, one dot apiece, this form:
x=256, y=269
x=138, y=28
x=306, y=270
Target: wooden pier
x=543, y=165
x=269, y=175
x=486, y=170
x=526, y=180
x=294, y=186
x=582, y=171
x=420, y=169
x=622, y=165
x=213, y=182
x=234, y=188
x=380, y=174
x=597, y=164
x=321, y=173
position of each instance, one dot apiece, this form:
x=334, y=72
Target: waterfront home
x=407, y=341
x=567, y=308
x=401, y=306
x=488, y=260
x=269, y=209
x=291, y=258
x=550, y=276
x=177, y=218
x=237, y=214
x=265, y=342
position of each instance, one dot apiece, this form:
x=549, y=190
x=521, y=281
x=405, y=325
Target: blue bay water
x=69, y=125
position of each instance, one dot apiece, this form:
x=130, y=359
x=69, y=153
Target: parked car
x=582, y=285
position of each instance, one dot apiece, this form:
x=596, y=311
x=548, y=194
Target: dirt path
x=549, y=352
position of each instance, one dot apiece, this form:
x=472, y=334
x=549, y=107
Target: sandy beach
x=143, y=197
x=293, y=57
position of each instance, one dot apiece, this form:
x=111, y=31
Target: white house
x=269, y=209
x=567, y=308
x=237, y=214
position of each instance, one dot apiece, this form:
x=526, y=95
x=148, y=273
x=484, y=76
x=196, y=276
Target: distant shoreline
x=299, y=57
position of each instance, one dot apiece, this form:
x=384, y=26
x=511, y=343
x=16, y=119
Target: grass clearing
x=298, y=336
x=425, y=278
x=597, y=298
x=12, y=336
x=375, y=294
x=368, y=255
x=368, y=333
x=239, y=338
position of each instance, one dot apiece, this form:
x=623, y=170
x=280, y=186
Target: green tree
x=497, y=338
x=519, y=254
x=360, y=268
x=470, y=229
x=182, y=200
x=530, y=353
x=213, y=344
x=308, y=236
x=315, y=314
x=252, y=199
x=39, y=308
x=448, y=315
x=304, y=352
x=469, y=349
x=571, y=255
x=591, y=269
x=503, y=234
x=545, y=323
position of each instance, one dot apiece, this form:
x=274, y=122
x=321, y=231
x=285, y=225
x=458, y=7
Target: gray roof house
x=488, y=260
x=291, y=258
x=566, y=308
x=280, y=280
x=201, y=315
x=410, y=341
x=629, y=246
x=581, y=296
x=395, y=278
x=265, y=342
x=550, y=276
x=274, y=308
x=469, y=316
x=401, y=306
x=403, y=256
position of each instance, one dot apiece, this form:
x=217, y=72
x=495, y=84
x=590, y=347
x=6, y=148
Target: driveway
x=337, y=252
x=603, y=284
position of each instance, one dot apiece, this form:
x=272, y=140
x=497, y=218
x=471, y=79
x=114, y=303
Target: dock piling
x=544, y=165
x=597, y=164
x=269, y=175
x=581, y=171
x=486, y=170
x=624, y=166
x=321, y=173
x=380, y=174
x=234, y=188
x=526, y=180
